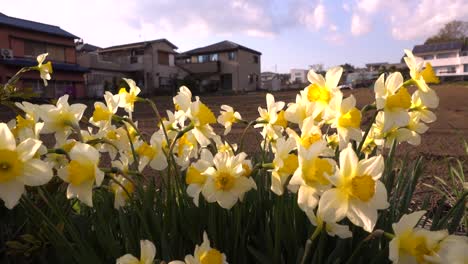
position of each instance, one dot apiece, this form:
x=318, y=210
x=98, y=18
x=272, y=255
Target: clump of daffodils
x=315, y=148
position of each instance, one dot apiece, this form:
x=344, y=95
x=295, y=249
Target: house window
x=251, y=78
x=214, y=57
x=232, y=55
x=428, y=57
x=255, y=59
x=465, y=53
x=188, y=60
x=33, y=48
x=163, y=58
x=465, y=68
x=446, y=55
x=203, y=58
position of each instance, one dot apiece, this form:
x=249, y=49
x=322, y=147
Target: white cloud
x=407, y=19
x=310, y=15
x=335, y=38
x=346, y=7
x=360, y=24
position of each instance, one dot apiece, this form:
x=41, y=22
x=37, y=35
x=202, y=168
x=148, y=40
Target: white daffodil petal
x=36, y=172
x=10, y=193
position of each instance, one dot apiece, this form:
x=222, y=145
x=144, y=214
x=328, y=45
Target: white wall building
x=298, y=76
x=449, y=59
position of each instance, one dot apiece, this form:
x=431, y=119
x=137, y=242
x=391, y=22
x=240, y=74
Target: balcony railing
x=204, y=67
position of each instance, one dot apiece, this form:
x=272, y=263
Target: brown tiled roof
x=218, y=47
x=137, y=44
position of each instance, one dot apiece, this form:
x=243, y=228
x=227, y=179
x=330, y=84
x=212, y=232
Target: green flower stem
x=249, y=124
x=367, y=132
x=409, y=83
x=309, y=243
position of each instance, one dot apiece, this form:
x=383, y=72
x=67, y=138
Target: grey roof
x=85, y=47
x=35, y=26
x=376, y=63
x=142, y=43
x=219, y=47
x=56, y=66
x=451, y=45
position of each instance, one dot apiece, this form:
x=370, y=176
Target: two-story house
x=223, y=66
x=150, y=63
x=20, y=43
x=449, y=59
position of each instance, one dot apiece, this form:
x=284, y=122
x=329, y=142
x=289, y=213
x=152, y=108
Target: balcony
x=204, y=67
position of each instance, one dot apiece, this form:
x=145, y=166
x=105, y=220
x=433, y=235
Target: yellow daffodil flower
x=183, y=99
x=412, y=244
x=152, y=153
x=228, y=117
x=103, y=113
x=82, y=173
x=269, y=117
x=332, y=228
x=19, y=166
x=201, y=117
x=204, y=254
x=194, y=177
x=346, y=118
x=61, y=118
x=225, y=181
x=357, y=192
x=284, y=163
x=127, y=99
x=45, y=69
x=322, y=90
x=147, y=254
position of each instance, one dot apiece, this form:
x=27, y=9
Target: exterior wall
x=443, y=66
x=247, y=67
x=298, y=75
x=65, y=81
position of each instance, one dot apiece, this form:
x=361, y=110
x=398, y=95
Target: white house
x=449, y=59
x=298, y=76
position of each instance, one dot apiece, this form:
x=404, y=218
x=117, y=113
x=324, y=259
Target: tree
x=454, y=30
x=347, y=67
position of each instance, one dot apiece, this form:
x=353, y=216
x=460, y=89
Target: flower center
x=290, y=165
x=307, y=141
x=211, y=256
x=101, y=114
x=363, y=187
x=224, y=181
x=281, y=119
x=350, y=119
x=205, y=116
x=246, y=170
x=78, y=172
x=146, y=150
x=22, y=122
x=10, y=165
x=402, y=99
x=194, y=176
x=183, y=144
x=112, y=135
x=315, y=171
x=318, y=94
x=415, y=246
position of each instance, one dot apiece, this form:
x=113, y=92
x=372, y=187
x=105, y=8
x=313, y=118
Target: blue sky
x=289, y=33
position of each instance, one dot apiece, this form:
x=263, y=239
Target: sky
x=288, y=33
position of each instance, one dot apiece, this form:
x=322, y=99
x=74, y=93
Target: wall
x=246, y=68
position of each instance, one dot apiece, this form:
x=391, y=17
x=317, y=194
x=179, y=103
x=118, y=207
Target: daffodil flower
x=45, y=69
x=152, y=153
x=453, y=249
x=204, y=254
x=332, y=228
x=322, y=90
x=422, y=77
x=300, y=110
x=358, y=193
x=19, y=167
x=194, y=177
x=393, y=99
x=346, y=118
x=183, y=99
x=284, y=163
x=225, y=182
x=228, y=117
x=103, y=113
x=121, y=195
x=312, y=177
x=186, y=148
x=412, y=244
x=310, y=134
x=147, y=254
x=201, y=117
x=269, y=118
x=61, y=118
x=128, y=99
x=82, y=173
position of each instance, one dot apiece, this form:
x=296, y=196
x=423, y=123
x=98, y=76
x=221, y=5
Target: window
x=465, y=53
x=232, y=55
x=133, y=59
x=163, y=58
x=188, y=60
x=428, y=57
x=465, y=68
x=446, y=55
x=297, y=74
x=33, y=48
x=203, y=58
x=251, y=78
x=214, y=57
x=255, y=59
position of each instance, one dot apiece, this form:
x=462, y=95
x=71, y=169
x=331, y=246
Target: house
x=223, y=66
x=298, y=76
x=149, y=63
x=270, y=81
x=449, y=59
x=22, y=40
x=376, y=66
